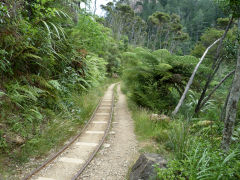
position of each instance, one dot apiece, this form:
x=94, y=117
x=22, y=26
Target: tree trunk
x=156, y=39
x=215, y=67
x=223, y=113
x=95, y=7
x=231, y=110
x=209, y=79
x=191, y=79
x=211, y=93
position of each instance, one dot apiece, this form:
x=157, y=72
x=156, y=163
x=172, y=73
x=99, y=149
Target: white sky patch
x=99, y=11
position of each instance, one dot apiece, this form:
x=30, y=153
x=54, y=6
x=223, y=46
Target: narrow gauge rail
x=106, y=102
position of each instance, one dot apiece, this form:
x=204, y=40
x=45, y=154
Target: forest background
x=56, y=55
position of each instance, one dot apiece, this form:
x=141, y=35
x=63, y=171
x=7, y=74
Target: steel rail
x=65, y=147
x=101, y=143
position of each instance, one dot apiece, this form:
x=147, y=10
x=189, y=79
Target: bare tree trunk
x=223, y=113
x=215, y=67
x=166, y=39
x=138, y=37
x=133, y=36
x=95, y=7
x=173, y=47
x=160, y=39
x=148, y=40
x=211, y=93
x=171, y=44
x=231, y=110
x=191, y=79
x=156, y=39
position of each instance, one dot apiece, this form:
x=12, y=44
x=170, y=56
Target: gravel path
x=120, y=151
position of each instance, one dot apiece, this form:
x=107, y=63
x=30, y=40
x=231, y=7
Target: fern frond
x=62, y=31
x=32, y=56
x=2, y=93
x=63, y=13
x=55, y=84
x=47, y=27
x=56, y=29
x=28, y=93
x=41, y=82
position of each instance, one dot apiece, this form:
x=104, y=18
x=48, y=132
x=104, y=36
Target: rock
x=203, y=123
x=15, y=139
x=114, y=75
x=106, y=145
x=112, y=132
x=2, y=126
x=161, y=117
x=154, y=116
x=144, y=168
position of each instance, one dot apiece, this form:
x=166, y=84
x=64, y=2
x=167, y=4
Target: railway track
x=73, y=158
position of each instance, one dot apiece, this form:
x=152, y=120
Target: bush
x=156, y=80
x=46, y=60
x=201, y=161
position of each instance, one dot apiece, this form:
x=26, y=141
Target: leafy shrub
x=178, y=139
x=46, y=60
x=156, y=80
x=203, y=162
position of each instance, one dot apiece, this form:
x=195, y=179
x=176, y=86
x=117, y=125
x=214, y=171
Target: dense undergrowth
x=54, y=131
x=154, y=82
x=157, y=79
x=55, y=62
x=192, y=147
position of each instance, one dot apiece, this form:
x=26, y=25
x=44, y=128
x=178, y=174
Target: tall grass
x=203, y=162
x=178, y=139
x=55, y=131
x=148, y=131
x=193, y=152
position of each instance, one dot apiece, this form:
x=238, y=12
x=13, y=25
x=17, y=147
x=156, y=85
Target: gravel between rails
x=120, y=150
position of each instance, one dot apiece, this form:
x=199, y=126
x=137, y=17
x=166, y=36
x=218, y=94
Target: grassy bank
x=150, y=134
x=192, y=147
x=191, y=153
x=55, y=130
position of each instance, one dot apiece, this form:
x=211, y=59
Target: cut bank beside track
x=73, y=158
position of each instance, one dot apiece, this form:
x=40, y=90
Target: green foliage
x=96, y=70
x=193, y=145
x=222, y=22
x=160, y=30
x=93, y=35
x=203, y=162
x=159, y=18
x=230, y=7
x=195, y=16
x=50, y=59
x=4, y=14
x=147, y=129
x=178, y=140
x=208, y=37
x=161, y=54
x=156, y=80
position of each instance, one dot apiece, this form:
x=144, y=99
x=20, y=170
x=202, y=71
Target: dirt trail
x=120, y=150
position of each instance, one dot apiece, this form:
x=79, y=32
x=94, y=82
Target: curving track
x=73, y=158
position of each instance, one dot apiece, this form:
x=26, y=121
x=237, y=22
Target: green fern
x=55, y=84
